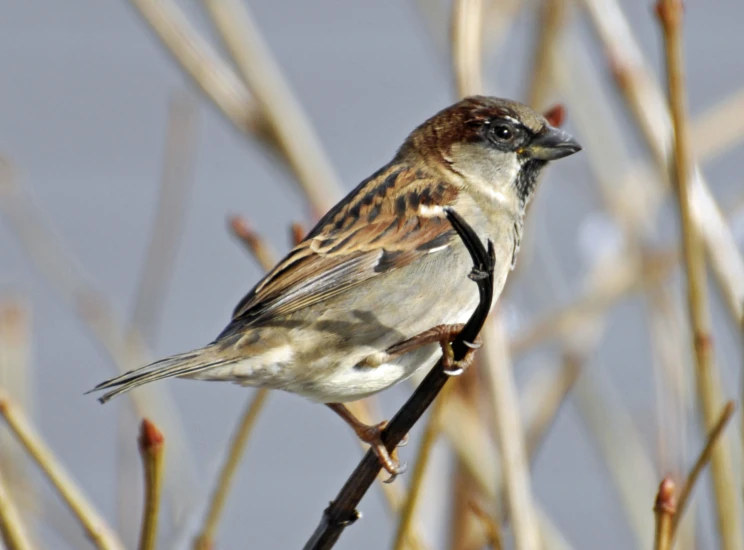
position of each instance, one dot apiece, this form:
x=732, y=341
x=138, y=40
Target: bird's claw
x=453, y=367
x=388, y=460
x=400, y=470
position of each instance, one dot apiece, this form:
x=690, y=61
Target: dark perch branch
x=342, y=511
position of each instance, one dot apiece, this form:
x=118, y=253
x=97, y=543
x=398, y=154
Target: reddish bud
x=150, y=438
x=555, y=115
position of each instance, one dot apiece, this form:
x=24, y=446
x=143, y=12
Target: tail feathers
x=183, y=364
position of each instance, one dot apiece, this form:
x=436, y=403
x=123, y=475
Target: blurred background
x=110, y=150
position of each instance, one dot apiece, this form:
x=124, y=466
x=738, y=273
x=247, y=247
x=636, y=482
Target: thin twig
x=238, y=442
x=93, y=524
x=670, y=14
x=431, y=433
x=673, y=393
x=297, y=233
x=551, y=20
x=342, y=510
x=16, y=377
x=151, y=447
x=493, y=529
x=510, y=437
x=175, y=188
x=194, y=55
x=466, y=531
x=664, y=511
x=719, y=128
x=13, y=531
x=253, y=242
x=467, y=46
x=705, y=455
x=290, y=127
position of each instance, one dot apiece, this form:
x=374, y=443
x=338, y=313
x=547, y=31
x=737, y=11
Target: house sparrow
x=379, y=287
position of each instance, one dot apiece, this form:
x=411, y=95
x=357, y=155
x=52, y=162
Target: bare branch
x=289, y=125
x=710, y=392
x=431, y=432
x=238, y=443
x=151, y=447
x=93, y=524
x=510, y=437
x=705, y=455
x=16, y=377
x=467, y=46
x=552, y=18
x=253, y=242
x=664, y=510
x=13, y=531
x=198, y=60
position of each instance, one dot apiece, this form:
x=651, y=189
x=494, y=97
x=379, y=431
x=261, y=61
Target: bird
x=378, y=289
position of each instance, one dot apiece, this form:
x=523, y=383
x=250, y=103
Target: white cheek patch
x=493, y=181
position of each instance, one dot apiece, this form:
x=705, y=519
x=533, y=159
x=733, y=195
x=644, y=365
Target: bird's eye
x=503, y=132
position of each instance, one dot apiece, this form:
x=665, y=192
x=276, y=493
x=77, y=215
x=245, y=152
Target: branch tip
x=666, y=500
x=556, y=115
x=150, y=438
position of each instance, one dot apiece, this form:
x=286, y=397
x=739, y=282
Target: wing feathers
x=386, y=223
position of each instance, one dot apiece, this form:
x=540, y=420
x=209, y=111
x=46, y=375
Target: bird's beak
x=551, y=144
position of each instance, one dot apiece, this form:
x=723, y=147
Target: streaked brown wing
x=375, y=231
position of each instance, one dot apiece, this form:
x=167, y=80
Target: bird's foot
x=372, y=434
x=443, y=335
x=388, y=460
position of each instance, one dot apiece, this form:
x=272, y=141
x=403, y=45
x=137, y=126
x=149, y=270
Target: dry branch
x=670, y=14
x=198, y=60
x=238, y=442
x=253, y=242
x=493, y=529
x=664, y=511
x=290, y=127
x=705, y=455
x=16, y=377
x=13, y=531
x=467, y=46
x=93, y=524
x=552, y=18
x=431, y=432
x=497, y=368
x=151, y=447
x=342, y=510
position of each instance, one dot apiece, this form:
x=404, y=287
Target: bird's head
x=496, y=146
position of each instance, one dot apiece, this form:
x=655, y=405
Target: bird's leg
x=443, y=335
x=373, y=436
